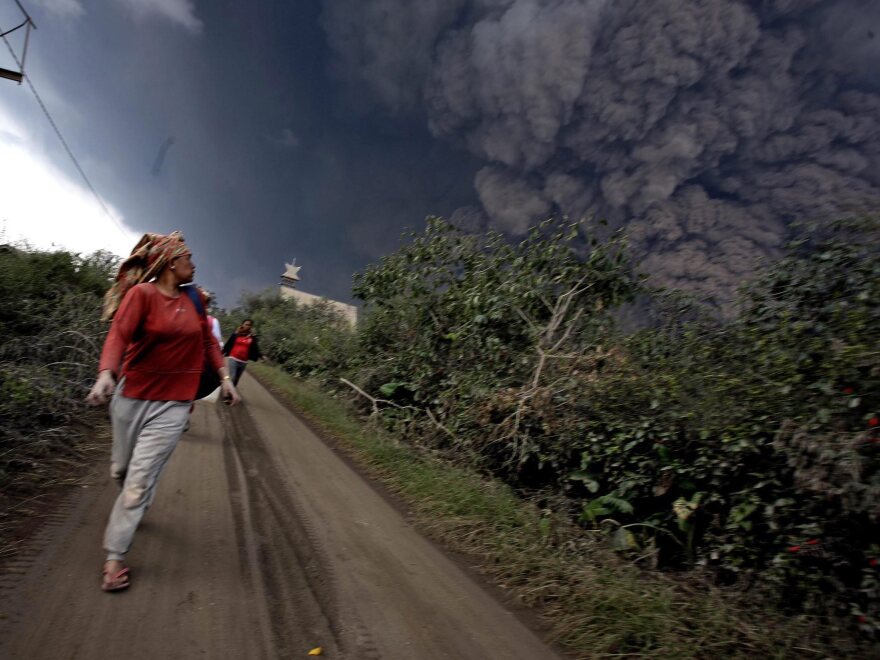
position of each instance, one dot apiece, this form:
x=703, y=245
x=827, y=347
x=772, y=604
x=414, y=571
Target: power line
x=61, y=138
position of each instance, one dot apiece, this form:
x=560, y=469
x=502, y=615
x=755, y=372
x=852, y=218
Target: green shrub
x=307, y=340
x=50, y=304
x=746, y=446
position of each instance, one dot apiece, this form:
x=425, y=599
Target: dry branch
x=550, y=339
x=375, y=404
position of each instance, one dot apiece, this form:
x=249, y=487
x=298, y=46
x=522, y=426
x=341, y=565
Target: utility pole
x=27, y=24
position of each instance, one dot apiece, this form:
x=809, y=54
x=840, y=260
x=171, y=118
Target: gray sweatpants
x=145, y=434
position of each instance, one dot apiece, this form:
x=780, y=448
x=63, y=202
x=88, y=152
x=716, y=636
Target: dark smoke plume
x=705, y=126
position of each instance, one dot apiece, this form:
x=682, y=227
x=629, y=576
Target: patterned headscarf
x=152, y=253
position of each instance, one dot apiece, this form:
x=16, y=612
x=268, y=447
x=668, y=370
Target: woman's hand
x=228, y=392
x=102, y=390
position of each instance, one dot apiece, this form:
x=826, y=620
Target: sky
x=321, y=130
x=218, y=119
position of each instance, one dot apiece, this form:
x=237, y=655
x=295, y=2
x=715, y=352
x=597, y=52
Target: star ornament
x=292, y=271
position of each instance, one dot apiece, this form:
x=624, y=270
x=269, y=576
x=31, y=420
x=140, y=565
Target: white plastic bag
x=213, y=397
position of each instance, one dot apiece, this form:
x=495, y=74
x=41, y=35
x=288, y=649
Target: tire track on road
x=281, y=556
x=398, y=597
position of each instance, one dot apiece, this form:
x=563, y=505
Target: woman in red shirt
x=156, y=348
x=241, y=347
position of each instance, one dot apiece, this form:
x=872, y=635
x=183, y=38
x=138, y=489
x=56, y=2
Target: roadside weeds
x=33, y=492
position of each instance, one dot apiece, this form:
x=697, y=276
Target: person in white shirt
x=213, y=323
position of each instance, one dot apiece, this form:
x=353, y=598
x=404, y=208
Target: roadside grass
x=594, y=603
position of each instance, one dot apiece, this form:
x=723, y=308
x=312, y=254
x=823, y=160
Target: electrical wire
x=26, y=21
x=64, y=142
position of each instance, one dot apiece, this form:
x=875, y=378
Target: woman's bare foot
x=115, y=576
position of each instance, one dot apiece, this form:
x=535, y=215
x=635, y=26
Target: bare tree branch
x=375, y=404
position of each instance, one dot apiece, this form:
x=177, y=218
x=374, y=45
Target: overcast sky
x=322, y=129
x=219, y=119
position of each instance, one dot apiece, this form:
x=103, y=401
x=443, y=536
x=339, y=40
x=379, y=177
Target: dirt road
x=262, y=543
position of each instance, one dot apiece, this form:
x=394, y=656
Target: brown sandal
x=116, y=581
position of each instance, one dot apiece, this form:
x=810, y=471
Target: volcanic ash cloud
x=706, y=127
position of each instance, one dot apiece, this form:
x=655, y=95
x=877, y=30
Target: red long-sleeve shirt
x=159, y=344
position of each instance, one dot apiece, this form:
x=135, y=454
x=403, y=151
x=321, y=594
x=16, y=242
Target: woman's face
x=183, y=268
x=246, y=326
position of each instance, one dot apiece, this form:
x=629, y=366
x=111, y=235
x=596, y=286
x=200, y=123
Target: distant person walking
x=213, y=323
x=241, y=347
x=156, y=349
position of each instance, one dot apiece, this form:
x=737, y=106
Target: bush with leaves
x=471, y=335
x=747, y=445
x=751, y=445
x=50, y=306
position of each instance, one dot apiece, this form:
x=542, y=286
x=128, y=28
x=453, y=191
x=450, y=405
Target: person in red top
x=241, y=347
x=156, y=349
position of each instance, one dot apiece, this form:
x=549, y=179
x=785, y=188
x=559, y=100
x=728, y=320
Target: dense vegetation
x=50, y=306
x=744, y=448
